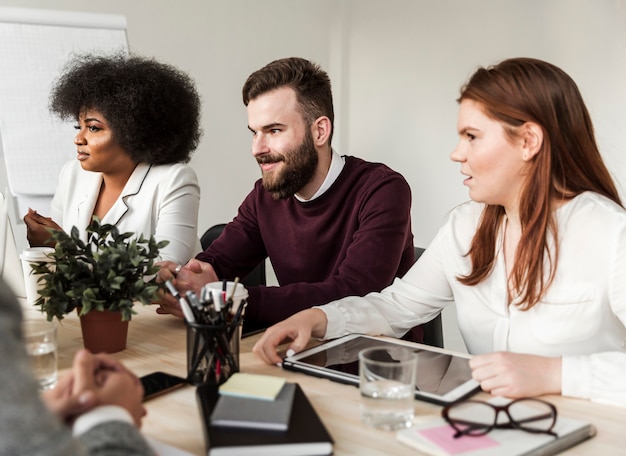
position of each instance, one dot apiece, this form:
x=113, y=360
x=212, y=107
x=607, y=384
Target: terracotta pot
x=104, y=331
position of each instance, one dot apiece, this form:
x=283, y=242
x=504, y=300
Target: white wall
x=396, y=66
x=409, y=58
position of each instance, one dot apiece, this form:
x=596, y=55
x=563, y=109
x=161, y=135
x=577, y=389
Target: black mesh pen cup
x=212, y=352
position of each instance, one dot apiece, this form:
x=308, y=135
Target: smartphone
x=158, y=383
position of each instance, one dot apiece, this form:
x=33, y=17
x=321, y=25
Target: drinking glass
x=387, y=385
x=41, y=344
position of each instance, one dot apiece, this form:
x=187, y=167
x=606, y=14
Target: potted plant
x=101, y=278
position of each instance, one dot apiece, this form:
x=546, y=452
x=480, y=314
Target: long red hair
x=514, y=92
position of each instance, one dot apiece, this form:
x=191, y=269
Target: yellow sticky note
x=256, y=386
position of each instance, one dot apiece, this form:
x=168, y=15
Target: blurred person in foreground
x=94, y=409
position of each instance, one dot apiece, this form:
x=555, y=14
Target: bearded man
x=331, y=225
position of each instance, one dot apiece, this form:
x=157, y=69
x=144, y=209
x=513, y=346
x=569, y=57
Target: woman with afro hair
x=138, y=122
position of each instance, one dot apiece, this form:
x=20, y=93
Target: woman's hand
x=516, y=375
x=296, y=329
x=37, y=227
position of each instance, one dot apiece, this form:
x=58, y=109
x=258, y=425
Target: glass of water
x=41, y=344
x=387, y=385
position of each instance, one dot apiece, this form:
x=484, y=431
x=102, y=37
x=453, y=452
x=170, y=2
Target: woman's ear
x=320, y=130
x=532, y=137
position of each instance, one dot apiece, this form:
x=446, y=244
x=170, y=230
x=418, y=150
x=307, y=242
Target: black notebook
x=306, y=434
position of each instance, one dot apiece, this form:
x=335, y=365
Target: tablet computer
x=442, y=377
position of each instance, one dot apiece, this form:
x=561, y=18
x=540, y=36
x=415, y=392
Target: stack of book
x=261, y=415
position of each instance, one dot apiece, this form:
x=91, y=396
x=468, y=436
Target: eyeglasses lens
x=472, y=418
x=532, y=415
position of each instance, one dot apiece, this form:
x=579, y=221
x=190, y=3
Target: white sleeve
x=56, y=205
x=99, y=415
x=415, y=299
x=600, y=376
x=178, y=216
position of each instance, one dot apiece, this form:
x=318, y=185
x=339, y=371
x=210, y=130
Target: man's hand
x=95, y=380
x=66, y=400
x=193, y=276
x=121, y=388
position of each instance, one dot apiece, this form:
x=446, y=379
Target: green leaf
x=112, y=270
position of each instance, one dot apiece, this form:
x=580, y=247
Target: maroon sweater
x=352, y=240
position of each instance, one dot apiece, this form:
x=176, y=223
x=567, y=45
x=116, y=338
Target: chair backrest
x=433, y=330
x=211, y=234
x=256, y=277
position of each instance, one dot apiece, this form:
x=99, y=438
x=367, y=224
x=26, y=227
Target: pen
x=184, y=305
x=193, y=300
x=205, y=294
x=236, y=319
x=209, y=309
x=232, y=292
x=207, y=346
x=220, y=307
x=229, y=301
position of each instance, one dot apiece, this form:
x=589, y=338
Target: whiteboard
x=34, y=46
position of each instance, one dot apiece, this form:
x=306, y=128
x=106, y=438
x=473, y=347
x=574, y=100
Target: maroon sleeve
x=240, y=248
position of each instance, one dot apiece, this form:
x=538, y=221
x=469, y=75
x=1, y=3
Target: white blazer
x=159, y=200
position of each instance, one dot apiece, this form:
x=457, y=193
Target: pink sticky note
x=443, y=437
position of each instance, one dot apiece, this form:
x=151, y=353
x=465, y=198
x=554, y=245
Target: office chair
x=433, y=330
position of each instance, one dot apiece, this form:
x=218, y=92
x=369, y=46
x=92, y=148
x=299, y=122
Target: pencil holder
x=212, y=352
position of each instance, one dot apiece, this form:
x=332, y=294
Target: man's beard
x=299, y=165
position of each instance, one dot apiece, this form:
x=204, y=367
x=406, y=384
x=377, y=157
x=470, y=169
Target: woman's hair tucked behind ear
x=153, y=108
x=568, y=163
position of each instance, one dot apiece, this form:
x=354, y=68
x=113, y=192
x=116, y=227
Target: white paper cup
x=29, y=256
x=41, y=344
x=240, y=295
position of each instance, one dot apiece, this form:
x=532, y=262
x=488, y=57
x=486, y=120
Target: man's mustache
x=268, y=159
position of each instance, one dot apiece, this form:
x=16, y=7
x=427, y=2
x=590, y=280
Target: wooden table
x=157, y=342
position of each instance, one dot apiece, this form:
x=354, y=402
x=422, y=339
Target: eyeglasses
x=474, y=418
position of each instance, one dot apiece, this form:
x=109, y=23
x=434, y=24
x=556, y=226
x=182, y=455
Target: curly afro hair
x=153, y=109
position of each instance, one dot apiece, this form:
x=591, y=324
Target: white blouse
x=159, y=200
x=582, y=316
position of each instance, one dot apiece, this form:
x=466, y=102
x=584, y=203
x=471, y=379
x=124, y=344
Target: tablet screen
x=439, y=375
